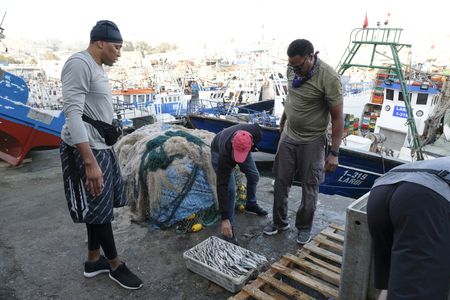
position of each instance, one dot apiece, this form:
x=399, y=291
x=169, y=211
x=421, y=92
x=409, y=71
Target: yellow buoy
x=197, y=227
x=241, y=207
x=191, y=217
x=242, y=197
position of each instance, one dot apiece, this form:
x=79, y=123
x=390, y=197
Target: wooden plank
x=333, y=235
x=270, y=290
x=323, y=264
x=326, y=271
x=257, y=293
x=314, y=269
x=337, y=227
x=324, y=253
x=303, y=253
x=285, y=288
x=321, y=239
x=258, y=283
x=307, y=281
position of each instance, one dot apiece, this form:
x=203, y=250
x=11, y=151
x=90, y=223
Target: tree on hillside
x=49, y=55
x=164, y=47
x=9, y=59
x=32, y=61
x=127, y=46
x=143, y=47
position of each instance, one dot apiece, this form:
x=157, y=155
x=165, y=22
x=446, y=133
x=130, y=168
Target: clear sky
x=327, y=24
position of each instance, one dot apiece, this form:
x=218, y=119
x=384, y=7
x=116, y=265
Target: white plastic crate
x=232, y=284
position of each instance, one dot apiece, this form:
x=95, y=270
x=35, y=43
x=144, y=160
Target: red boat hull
x=16, y=140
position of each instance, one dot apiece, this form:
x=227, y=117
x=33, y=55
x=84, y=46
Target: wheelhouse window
x=400, y=96
x=422, y=98
x=389, y=94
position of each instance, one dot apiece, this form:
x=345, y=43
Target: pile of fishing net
x=168, y=175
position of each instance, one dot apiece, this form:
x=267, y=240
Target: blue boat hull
x=268, y=144
x=353, y=178
x=23, y=128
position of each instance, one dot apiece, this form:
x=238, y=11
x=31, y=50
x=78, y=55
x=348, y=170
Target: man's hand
x=226, y=229
x=94, y=179
x=331, y=163
x=94, y=175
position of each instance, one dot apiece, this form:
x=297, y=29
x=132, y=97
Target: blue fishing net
x=196, y=196
x=183, y=195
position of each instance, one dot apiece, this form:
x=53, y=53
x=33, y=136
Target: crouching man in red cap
x=230, y=147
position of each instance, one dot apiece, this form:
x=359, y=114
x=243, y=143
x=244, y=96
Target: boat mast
x=2, y=36
x=382, y=37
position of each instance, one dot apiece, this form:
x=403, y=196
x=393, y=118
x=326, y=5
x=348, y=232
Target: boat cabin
x=393, y=115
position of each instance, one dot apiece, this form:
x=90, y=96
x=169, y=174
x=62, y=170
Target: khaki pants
x=306, y=159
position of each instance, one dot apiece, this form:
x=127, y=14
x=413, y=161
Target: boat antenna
x=2, y=36
x=1, y=28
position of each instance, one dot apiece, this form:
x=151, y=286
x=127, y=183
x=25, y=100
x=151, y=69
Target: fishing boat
x=43, y=92
x=24, y=128
x=403, y=120
x=139, y=107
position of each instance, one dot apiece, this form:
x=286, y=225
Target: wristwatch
x=334, y=153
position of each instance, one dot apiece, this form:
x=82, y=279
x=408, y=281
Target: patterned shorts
x=83, y=207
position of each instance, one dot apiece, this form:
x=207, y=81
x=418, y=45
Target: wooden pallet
x=313, y=273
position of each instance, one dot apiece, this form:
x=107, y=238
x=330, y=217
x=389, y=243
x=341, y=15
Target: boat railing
x=47, y=106
x=370, y=36
x=133, y=109
x=376, y=35
x=228, y=110
x=207, y=107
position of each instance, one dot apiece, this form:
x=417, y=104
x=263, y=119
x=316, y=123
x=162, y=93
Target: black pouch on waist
x=110, y=132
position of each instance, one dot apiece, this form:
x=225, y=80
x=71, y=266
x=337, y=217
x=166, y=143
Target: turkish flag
x=366, y=22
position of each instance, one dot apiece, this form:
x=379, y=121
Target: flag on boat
x=366, y=22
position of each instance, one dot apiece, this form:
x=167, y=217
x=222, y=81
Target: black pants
x=101, y=235
x=410, y=229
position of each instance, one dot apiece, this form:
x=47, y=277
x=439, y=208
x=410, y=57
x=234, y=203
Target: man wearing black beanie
x=92, y=179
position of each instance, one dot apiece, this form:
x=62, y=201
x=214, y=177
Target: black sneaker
x=93, y=268
x=272, y=229
x=125, y=278
x=256, y=210
x=303, y=237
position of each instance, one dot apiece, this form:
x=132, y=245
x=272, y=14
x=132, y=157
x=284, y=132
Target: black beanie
x=106, y=31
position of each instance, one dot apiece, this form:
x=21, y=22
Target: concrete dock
x=42, y=251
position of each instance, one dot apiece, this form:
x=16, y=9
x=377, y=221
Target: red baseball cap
x=242, y=142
